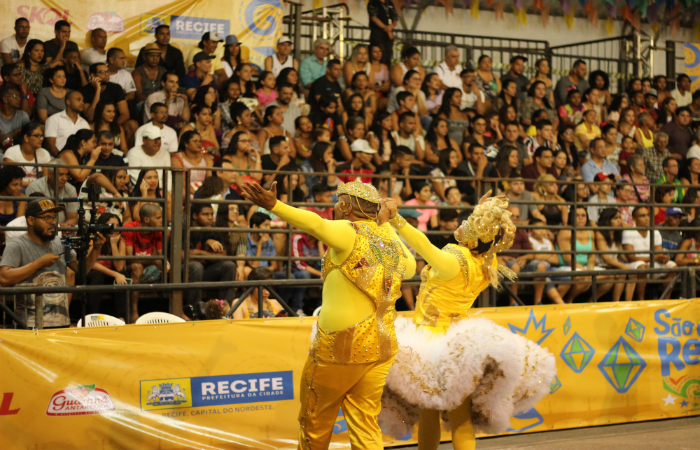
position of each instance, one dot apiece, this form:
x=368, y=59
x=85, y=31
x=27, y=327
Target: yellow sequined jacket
x=450, y=283
x=362, y=273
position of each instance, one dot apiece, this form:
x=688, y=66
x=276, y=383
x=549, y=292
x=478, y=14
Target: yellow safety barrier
x=233, y=384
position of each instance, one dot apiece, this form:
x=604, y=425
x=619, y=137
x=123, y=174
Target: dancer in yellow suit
x=475, y=371
x=355, y=342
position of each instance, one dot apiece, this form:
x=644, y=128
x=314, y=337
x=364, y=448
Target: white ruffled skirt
x=503, y=373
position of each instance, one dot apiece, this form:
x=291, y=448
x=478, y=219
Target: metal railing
x=177, y=279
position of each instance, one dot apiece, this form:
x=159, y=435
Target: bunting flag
x=466, y=4
x=538, y=4
x=449, y=7
x=655, y=27
x=643, y=7
x=518, y=4
x=652, y=14
x=592, y=13
x=489, y=2
x=675, y=24
x=317, y=4
x=612, y=9
x=545, y=15
x=566, y=7
x=475, y=9
x=521, y=14
x=498, y=10
x=569, y=19
x=610, y=26
x=696, y=31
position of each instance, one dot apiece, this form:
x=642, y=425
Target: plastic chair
x=100, y=320
x=158, y=317
x=317, y=311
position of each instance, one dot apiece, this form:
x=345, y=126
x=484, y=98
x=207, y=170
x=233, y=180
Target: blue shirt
x=191, y=81
x=311, y=70
x=268, y=249
x=590, y=169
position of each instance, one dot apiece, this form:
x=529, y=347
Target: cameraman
x=34, y=259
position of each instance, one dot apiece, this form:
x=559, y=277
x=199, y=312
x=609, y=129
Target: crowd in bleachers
x=337, y=121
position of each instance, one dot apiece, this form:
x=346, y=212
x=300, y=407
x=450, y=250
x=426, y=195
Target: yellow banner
x=232, y=384
x=130, y=25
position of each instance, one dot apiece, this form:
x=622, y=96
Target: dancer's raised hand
x=486, y=197
x=260, y=196
x=389, y=208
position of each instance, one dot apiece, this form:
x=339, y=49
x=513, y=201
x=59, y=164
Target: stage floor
x=671, y=434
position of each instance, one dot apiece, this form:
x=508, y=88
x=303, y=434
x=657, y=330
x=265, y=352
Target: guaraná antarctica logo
x=216, y=390
x=80, y=400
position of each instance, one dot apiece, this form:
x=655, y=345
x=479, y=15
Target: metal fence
x=176, y=280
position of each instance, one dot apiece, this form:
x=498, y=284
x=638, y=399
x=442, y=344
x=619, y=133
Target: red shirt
x=143, y=244
x=354, y=173
x=325, y=213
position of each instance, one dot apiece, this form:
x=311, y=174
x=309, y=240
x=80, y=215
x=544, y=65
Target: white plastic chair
x=158, y=317
x=317, y=311
x=100, y=320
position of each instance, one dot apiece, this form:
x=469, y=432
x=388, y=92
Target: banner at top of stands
x=130, y=25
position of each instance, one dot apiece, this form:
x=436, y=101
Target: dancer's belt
x=358, y=344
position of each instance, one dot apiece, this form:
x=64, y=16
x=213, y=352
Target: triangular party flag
x=449, y=7
x=626, y=13
x=522, y=16
x=569, y=19
x=612, y=9
x=545, y=15
x=652, y=14
x=317, y=4
x=643, y=7
x=466, y=3
x=566, y=6
x=593, y=15
x=675, y=24
x=636, y=20
x=518, y=4
x=538, y=4
x=632, y=3
x=582, y=2
x=475, y=9
x=498, y=10
x=655, y=27
x=488, y=2
x=610, y=26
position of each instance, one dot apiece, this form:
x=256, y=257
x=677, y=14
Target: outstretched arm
x=446, y=264
x=336, y=234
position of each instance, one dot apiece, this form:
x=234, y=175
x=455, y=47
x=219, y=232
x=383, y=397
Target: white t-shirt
x=682, y=100
x=449, y=78
x=124, y=79
x=693, y=152
x=10, y=45
x=60, y=126
x=20, y=221
x=138, y=159
x=469, y=100
x=639, y=243
x=544, y=246
x=168, y=138
x=90, y=56
x=410, y=142
x=42, y=157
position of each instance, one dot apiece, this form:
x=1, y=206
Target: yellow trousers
x=356, y=388
x=460, y=421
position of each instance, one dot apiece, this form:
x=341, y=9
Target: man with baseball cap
x=210, y=40
x=201, y=75
x=671, y=238
x=517, y=65
x=170, y=57
x=360, y=164
x=281, y=59
x=149, y=154
x=36, y=259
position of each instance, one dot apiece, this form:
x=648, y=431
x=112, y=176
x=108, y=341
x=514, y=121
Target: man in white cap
x=282, y=59
x=360, y=164
x=149, y=154
x=210, y=40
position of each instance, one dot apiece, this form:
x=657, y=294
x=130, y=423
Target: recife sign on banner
x=130, y=25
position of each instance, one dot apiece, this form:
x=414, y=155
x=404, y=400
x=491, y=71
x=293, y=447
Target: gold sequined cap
x=485, y=224
x=360, y=190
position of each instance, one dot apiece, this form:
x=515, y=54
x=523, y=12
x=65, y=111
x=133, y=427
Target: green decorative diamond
x=635, y=330
x=621, y=366
x=567, y=326
x=556, y=384
x=577, y=353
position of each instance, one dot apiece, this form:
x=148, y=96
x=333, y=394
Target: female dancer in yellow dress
x=477, y=372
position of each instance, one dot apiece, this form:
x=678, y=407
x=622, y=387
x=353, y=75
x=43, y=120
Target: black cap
x=36, y=207
x=517, y=57
x=202, y=56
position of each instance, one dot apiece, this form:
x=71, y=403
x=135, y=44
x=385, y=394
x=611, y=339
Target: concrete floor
x=672, y=434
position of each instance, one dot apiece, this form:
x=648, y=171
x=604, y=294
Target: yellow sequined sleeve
x=410, y=260
x=446, y=264
x=334, y=233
